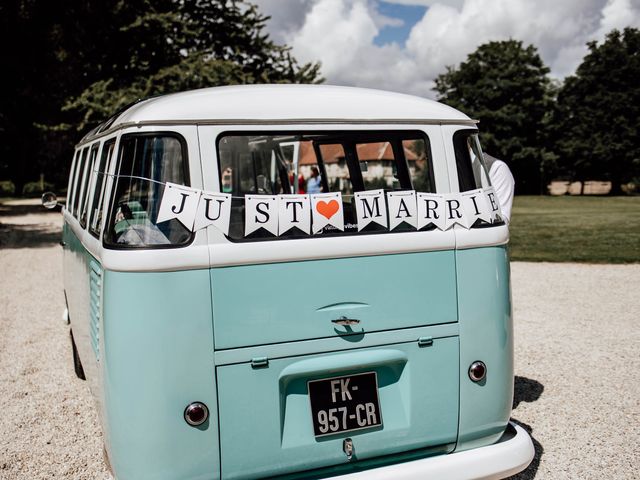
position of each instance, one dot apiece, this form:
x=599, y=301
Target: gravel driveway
x=577, y=343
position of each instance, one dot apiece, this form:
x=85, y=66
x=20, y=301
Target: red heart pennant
x=327, y=209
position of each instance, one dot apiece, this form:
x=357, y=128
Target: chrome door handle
x=345, y=321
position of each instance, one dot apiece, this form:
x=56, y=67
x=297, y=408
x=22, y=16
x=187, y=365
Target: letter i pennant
x=179, y=202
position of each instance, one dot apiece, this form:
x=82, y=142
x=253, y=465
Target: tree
x=505, y=86
x=597, y=121
x=174, y=45
x=67, y=69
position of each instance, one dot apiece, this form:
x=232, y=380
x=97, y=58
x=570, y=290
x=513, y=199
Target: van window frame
x=72, y=175
x=97, y=200
x=354, y=137
x=77, y=191
x=112, y=194
x=88, y=185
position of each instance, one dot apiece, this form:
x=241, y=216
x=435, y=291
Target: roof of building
x=263, y=103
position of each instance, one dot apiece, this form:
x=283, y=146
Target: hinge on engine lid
x=259, y=362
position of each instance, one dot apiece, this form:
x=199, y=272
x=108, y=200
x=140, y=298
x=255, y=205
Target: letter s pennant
x=179, y=202
x=214, y=209
x=260, y=211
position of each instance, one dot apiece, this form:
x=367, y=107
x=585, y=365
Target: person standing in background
x=314, y=184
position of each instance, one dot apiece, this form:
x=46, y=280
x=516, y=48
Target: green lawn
x=576, y=229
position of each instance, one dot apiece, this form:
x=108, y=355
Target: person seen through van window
x=314, y=184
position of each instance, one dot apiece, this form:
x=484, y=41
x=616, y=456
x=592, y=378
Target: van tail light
x=477, y=371
x=196, y=414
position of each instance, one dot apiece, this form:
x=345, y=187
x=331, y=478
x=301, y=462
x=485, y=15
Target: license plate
x=344, y=404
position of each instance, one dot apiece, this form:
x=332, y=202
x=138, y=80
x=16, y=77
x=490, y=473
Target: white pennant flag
x=453, y=211
x=294, y=211
x=476, y=206
x=327, y=209
x=431, y=209
x=214, y=209
x=370, y=207
x=493, y=203
x=260, y=211
x=402, y=208
x=179, y=202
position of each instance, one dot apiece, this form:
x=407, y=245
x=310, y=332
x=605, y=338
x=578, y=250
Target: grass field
x=576, y=229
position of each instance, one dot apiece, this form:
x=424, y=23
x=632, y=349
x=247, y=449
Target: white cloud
x=341, y=33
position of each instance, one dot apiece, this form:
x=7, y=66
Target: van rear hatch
x=293, y=384
x=294, y=301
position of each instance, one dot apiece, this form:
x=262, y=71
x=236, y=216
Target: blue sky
x=408, y=14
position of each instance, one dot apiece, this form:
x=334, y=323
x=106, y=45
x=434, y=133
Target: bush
x=36, y=188
x=7, y=188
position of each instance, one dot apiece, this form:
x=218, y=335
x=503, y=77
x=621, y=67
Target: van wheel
x=77, y=364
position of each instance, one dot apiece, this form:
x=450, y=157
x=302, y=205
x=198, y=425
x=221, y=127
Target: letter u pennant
x=214, y=209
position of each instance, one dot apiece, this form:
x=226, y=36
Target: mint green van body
x=246, y=325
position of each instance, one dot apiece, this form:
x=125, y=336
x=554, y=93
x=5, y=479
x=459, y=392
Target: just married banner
x=277, y=214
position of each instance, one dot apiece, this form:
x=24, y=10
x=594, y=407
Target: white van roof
x=286, y=102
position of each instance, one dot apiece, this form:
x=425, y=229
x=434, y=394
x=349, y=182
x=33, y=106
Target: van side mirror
x=49, y=200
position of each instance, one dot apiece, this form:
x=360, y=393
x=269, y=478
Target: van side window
x=318, y=162
x=146, y=161
x=72, y=176
x=95, y=212
x=77, y=189
x=472, y=170
x=84, y=199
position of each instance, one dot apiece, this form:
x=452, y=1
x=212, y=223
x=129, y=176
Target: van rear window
x=321, y=162
x=145, y=163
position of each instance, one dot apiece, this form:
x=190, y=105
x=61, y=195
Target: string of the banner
x=113, y=175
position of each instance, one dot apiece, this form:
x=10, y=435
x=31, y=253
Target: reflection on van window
x=145, y=163
x=318, y=162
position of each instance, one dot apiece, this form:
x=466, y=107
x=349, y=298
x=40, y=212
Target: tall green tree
x=505, y=86
x=70, y=66
x=597, y=121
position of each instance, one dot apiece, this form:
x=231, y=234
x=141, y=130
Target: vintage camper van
x=292, y=281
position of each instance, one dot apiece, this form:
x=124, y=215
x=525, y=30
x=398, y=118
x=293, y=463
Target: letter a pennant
x=179, y=202
x=402, y=208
